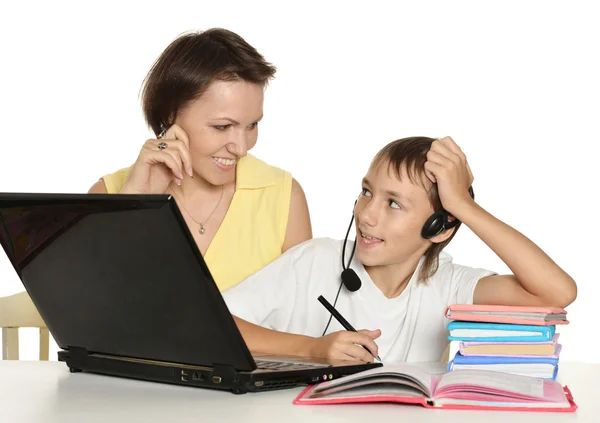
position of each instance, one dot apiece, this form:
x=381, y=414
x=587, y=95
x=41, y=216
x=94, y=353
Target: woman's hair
x=187, y=67
x=410, y=154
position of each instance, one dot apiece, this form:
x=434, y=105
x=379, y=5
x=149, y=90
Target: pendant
x=202, y=229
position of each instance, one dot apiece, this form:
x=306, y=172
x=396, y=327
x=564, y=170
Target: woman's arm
x=299, y=228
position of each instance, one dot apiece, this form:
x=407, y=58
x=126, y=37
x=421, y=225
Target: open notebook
x=466, y=389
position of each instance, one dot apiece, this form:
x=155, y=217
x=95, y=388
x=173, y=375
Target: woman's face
x=222, y=126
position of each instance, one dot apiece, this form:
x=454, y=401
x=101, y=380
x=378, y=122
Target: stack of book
x=517, y=340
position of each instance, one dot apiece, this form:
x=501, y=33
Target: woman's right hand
x=154, y=168
x=346, y=345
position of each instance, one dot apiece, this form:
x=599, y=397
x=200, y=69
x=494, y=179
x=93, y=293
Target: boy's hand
x=346, y=345
x=448, y=167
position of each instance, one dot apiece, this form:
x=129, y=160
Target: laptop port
x=198, y=376
x=216, y=379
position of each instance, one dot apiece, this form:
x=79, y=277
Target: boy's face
x=389, y=215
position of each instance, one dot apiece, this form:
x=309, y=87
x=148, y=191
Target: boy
x=406, y=281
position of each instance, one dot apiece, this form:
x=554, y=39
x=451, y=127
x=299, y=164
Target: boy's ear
x=445, y=234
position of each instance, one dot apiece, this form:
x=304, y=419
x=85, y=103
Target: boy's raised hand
x=447, y=167
x=346, y=345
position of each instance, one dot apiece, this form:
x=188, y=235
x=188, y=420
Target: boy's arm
x=268, y=298
x=536, y=279
x=342, y=345
x=267, y=341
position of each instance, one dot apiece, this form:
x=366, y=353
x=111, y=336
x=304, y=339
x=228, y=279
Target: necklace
x=202, y=230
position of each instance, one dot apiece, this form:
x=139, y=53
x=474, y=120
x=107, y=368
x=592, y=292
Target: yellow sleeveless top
x=253, y=230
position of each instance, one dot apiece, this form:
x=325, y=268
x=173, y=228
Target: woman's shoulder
x=256, y=173
x=114, y=181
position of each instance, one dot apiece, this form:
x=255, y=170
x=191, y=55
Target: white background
x=515, y=83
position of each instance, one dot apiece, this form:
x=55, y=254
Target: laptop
x=124, y=290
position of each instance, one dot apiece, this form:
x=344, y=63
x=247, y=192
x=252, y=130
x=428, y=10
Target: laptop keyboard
x=285, y=365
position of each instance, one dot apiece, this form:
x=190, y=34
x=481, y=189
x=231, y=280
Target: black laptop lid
x=120, y=275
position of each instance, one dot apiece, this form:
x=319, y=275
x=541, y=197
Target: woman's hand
x=155, y=168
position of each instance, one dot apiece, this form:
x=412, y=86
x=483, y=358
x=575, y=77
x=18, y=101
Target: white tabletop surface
x=32, y=391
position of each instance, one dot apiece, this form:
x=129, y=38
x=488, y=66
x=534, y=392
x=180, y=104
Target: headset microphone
x=349, y=277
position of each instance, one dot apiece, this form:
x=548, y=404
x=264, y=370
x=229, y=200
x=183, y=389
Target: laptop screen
x=120, y=275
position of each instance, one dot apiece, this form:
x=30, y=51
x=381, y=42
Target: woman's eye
x=253, y=125
x=221, y=127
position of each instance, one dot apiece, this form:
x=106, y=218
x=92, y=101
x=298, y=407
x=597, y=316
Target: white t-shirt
x=283, y=296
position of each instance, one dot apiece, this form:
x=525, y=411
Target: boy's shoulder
x=318, y=247
x=450, y=273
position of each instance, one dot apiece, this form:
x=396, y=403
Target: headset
x=435, y=225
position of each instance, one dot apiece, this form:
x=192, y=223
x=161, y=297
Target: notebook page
x=370, y=387
x=398, y=371
x=503, y=382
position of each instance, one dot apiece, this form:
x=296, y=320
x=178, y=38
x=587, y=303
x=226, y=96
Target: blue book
x=498, y=332
x=540, y=367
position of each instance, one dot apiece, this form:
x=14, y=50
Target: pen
x=340, y=318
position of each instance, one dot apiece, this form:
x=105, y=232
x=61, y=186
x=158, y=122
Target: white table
x=32, y=391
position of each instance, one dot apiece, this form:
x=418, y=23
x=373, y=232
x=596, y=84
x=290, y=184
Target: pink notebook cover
x=456, y=312
x=423, y=402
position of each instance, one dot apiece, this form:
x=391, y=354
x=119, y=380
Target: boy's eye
x=365, y=192
x=394, y=205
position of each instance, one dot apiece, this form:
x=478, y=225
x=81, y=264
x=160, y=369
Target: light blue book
x=498, y=332
x=540, y=367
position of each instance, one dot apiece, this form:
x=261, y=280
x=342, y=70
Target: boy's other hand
x=346, y=345
x=447, y=167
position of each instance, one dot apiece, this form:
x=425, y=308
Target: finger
x=178, y=150
x=156, y=157
x=441, y=148
x=182, y=143
x=173, y=151
x=357, y=352
x=438, y=158
x=452, y=146
x=433, y=168
x=364, y=340
x=373, y=334
x=175, y=132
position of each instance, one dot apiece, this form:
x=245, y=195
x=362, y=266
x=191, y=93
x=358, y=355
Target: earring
x=163, y=131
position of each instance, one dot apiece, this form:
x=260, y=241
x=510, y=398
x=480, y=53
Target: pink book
x=464, y=389
x=540, y=316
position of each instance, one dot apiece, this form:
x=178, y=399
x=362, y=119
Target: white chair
x=17, y=311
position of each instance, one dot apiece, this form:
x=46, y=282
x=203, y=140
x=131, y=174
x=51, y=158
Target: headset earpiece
x=435, y=225
x=439, y=222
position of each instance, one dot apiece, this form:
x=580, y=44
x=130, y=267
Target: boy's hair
x=186, y=68
x=410, y=154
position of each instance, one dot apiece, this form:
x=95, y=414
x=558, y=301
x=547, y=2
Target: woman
x=203, y=98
